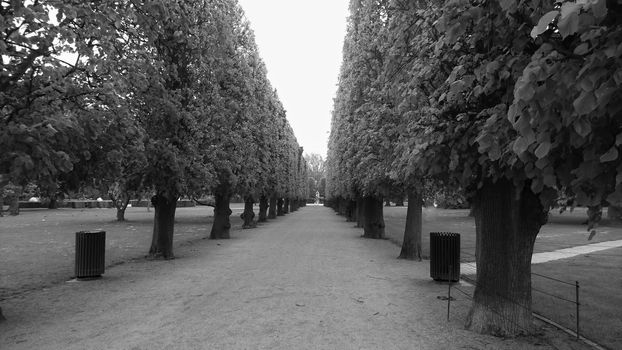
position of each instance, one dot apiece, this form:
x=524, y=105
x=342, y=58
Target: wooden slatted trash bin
x=90, y=254
x=445, y=256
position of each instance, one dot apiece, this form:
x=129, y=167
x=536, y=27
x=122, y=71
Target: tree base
x=160, y=256
x=502, y=319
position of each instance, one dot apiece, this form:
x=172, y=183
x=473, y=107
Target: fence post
x=577, y=302
x=448, y=294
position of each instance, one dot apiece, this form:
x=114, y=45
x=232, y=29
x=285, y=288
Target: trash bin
x=90, y=253
x=445, y=256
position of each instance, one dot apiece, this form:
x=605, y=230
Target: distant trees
x=143, y=97
x=317, y=172
x=508, y=102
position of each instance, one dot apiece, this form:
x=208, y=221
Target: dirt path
x=304, y=281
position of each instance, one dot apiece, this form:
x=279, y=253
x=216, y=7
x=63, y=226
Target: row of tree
x=147, y=96
x=508, y=102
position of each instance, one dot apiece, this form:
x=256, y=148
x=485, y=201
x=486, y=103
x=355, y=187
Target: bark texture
x=343, y=207
x=53, y=203
x=272, y=209
x=293, y=205
x=165, y=203
x=506, y=226
x=263, y=209
x=374, y=220
x=222, y=212
x=411, y=245
x=248, y=215
x=14, y=205
x=286, y=202
x=121, y=214
x=121, y=205
x=351, y=211
x=360, y=212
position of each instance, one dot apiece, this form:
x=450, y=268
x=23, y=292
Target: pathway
x=304, y=281
x=470, y=268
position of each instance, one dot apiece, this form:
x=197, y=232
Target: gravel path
x=304, y=281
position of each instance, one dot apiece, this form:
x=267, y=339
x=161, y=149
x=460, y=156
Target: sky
x=301, y=44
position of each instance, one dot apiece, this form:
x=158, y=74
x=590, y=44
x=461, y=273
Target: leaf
x=599, y=8
x=585, y=103
x=520, y=145
x=611, y=155
x=569, y=25
x=550, y=180
x=543, y=149
x=582, y=127
x=582, y=49
x=568, y=8
x=543, y=23
x=524, y=91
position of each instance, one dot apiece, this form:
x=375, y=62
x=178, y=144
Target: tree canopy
x=484, y=97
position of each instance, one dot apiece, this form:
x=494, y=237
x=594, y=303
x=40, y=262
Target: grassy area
x=37, y=247
x=599, y=274
x=600, y=279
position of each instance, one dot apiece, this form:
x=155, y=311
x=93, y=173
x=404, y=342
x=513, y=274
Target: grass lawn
x=37, y=247
x=600, y=294
x=599, y=274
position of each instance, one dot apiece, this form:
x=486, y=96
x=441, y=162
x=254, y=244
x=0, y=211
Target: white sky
x=301, y=42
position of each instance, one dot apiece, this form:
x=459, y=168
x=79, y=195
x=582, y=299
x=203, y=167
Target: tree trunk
x=249, y=215
x=614, y=213
x=507, y=227
x=165, y=204
x=53, y=203
x=286, y=206
x=121, y=214
x=411, y=245
x=293, y=205
x=374, y=220
x=360, y=212
x=343, y=207
x=272, y=209
x=14, y=205
x=279, y=207
x=222, y=212
x=387, y=203
x=263, y=209
x=121, y=207
x=351, y=211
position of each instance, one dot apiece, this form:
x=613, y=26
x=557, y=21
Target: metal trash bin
x=445, y=256
x=90, y=253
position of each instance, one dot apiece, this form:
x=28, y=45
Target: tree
x=51, y=104
x=316, y=166
x=472, y=101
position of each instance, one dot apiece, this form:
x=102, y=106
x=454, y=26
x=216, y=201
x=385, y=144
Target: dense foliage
x=141, y=97
x=486, y=97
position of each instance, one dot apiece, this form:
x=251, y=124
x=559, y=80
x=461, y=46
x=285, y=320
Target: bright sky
x=301, y=42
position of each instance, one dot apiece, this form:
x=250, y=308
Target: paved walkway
x=304, y=281
x=470, y=268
